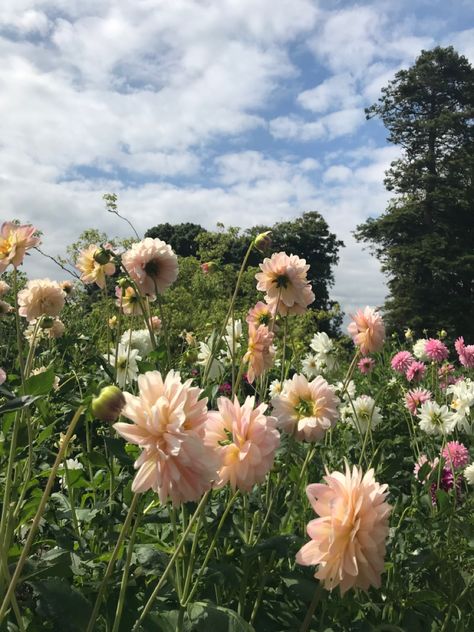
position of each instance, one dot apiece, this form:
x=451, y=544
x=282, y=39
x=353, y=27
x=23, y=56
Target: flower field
x=258, y=474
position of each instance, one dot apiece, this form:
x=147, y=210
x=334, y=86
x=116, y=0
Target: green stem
x=312, y=607
x=309, y=455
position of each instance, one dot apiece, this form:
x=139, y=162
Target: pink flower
x=245, y=440
x=128, y=300
x=57, y=329
x=67, y=287
x=415, y=371
x=155, y=323
x=367, y=330
x=436, y=350
x=348, y=539
x=3, y=376
x=306, y=409
x=284, y=280
x=225, y=388
x=92, y=270
x=455, y=453
x=40, y=297
x=152, y=264
x=366, y=365
x=15, y=240
x=422, y=459
x=5, y=308
x=260, y=351
x=465, y=353
x=168, y=424
x=401, y=361
x=4, y=288
x=415, y=398
x=260, y=314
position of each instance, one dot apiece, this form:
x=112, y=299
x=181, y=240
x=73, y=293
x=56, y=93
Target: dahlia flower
x=216, y=369
x=366, y=365
x=312, y=365
x=348, y=538
x=401, y=361
x=422, y=459
x=416, y=397
x=169, y=424
x=283, y=279
x=124, y=361
x=306, y=409
x=4, y=288
x=93, y=271
x=469, y=474
x=324, y=348
x=275, y=388
x=152, y=264
x=367, y=330
x=155, y=323
x=40, y=297
x=455, y=453
x=260, y=351
x=3, y=376
x=436, y=350
x=260, y=314
x=245, y=441
x=362, y=413
x=15, y=240
x=5, y=308
x=57, y=329
x=436, y=419
x=128, y=301
x=465, y=353
x=138, y=339
x=67, y=287
x=419, y=350
x=415, y=371
x=462, y=401
x=70, y=465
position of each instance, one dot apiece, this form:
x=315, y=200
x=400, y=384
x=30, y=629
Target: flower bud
x=102, y=256
x=108, y=405
x=155, y=323
x=408, y=334
x=263, y=241
x=47, y=322
x=442, y=334
x=208, y=267
x=124, y=283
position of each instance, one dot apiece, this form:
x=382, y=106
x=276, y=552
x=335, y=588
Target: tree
x=425, y=238
x=181, y=237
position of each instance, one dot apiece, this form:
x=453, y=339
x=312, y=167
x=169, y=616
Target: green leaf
x=205, y=616
x=60, y=602
x=40, y=384
x=18, y=403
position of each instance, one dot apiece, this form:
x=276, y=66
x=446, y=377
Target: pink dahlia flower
x=306, y=409
x=260, y=314
x=348, y=538
x=422, y=459
x=128, y=301
x=4, y=288
x=367, y=330
x=465, y=353
x=366, y=365
x=415, y=398
x=92, y=270
x=415, y=371
x=168, y=424
x=245, y=440
x=455, y=453
x=3, y=376
x=40, y=297
x=283, y=279
x=401, y=361
x=15, y=240
x=436, y=350
x=260, y=351
x=155, y=323
x=152, y=264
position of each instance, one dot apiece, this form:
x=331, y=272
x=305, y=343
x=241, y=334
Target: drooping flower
x=367, y=330
x=128, y=301
x=415, y=398
x=260, y=351
x=419, y=350
x=245, y=440
x=283, y=279
x=152, y=264
x=169, y=425
x=348, y=539
x=260, y=314
x=15, y=240
x=465, y=353
x=92, y=271
x=362, y=413
x=401, y=361
x=436, y=419
x=306, y=409
x=455, y=453
x=436, y=350
x=4, y=288
x=124, y=361
x=366, y=365
x=41, y=297
x=415, y=371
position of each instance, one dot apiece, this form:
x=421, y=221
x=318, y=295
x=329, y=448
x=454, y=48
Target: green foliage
x=181, y=237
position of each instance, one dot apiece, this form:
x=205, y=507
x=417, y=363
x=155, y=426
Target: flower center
x=305, y=408
x=282, y=281
x=152, y=267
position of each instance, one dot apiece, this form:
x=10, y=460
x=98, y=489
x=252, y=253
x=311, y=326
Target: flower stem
x=312, y=607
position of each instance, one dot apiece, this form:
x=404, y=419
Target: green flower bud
x=47, y=322
x=263, y=241
x=124, y=283
x=108, y=405
x=102, y=256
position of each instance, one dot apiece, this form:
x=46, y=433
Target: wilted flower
x=57, y=329
x=40, y=297
x=152, y=264
x=416, y=397
x=260, y=351
x=401, y=361
x=436, y=350
x=108, y=405
x=367, y=330
x=169, y=425
x=5, y=308
x=455, y=453
x=415, y=371
x=436, y=419
x=245, y=441
x=67, y=287
x=15, y=240
x=366, y=365
x=93, y=271
x=348, y=539
x=306, y=409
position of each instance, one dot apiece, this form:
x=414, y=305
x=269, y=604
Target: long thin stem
x=312, y=607
x=309, y=455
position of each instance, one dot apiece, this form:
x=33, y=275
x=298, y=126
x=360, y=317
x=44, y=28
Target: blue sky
x=233, y=111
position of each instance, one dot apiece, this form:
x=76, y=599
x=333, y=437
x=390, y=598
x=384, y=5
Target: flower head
x=260, y=314
x=367, y=330
x=465, y=353
x=155, y=323
x=312, y=365
x=5, y=308
x=436, y=419
x=67, y=287
x=415, y=398
x=419, y=349
x=362, y=413
x=422, y=459
x=366, y=365
x=137, y=339
x=260, y=351
x=306, y=409
x=124, y=361
x=455, y=453
x=3, y=376
x=4, y=288
x=469, y=474
x=348, y=539
x=283, y=279
x=15, y=240
x=436, y=350
x=40, y=297
x=415, y=371
x=152, y=264
x=93, y=271
x=128, y=301
x=169, y=424
x=401, y=361
x=108, y=405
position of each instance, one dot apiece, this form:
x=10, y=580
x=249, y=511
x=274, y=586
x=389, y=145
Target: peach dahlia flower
x=367, y=330
x=245, y=440
x=306, y=409
x=15, y=240
x=283, y=279
x=168, y=424
x=260, y=351
x=41, y=297
x=348, y=539
x=92, y=270
x=152, y=264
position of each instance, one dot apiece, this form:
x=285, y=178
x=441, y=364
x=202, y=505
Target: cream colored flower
x=40, y=297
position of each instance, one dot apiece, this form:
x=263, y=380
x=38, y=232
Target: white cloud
x=336, y=92
x=463, y=42
x=333, y=125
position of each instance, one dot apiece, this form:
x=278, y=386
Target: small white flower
x=462, y=402
x=363, y=412
x=71, y=464
x=139, y=339
x=469, y=474
x=436, y=419
x=419, y=350
x=349, y=393
x=125, y=363
x=322, y=343
x=275, y=388
x=311, y=365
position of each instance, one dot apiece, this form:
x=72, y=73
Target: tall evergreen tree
x=425, y=238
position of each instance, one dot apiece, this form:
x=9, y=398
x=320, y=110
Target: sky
x=235, y=111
